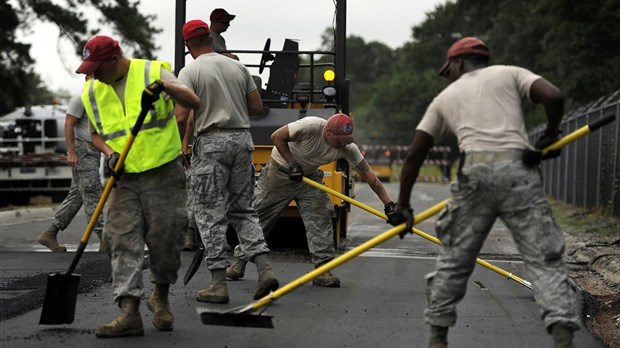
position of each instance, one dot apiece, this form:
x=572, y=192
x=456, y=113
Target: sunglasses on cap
x=445, y=73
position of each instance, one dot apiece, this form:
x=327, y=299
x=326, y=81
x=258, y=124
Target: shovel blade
x=211, y=317
x=194, y=266
x=60, y=299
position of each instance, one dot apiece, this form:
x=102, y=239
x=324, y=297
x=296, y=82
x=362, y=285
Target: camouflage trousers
x=275, y=192
x=514, y=193
x=222, y=190
x=146, y=208
x=85, y=189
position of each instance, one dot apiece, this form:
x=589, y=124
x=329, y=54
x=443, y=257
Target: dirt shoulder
x=593, y=259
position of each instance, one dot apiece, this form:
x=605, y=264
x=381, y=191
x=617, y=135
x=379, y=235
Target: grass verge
x=586, y=223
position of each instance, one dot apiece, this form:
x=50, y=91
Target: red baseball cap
x=195, y=28
x=97, y=49
x=219, y=14
x=466, y=45
x=342, y=126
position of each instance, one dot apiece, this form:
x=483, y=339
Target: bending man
x=300, y=148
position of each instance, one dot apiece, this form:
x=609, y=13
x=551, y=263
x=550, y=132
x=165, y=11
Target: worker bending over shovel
x=300, y=148
x=498, y=177
x=148, y=204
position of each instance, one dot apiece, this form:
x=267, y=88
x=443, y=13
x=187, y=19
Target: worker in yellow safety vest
x=148, y=205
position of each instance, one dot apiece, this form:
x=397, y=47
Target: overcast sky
x=387, y=21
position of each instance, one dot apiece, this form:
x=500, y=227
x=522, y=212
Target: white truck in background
x=33, y=154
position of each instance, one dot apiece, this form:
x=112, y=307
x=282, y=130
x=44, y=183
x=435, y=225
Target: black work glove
x=402, y=213
x=532, y=158
x=151, y=94
x=110, y=164
x=295, y=172
x=389, y=209
x=545, y=141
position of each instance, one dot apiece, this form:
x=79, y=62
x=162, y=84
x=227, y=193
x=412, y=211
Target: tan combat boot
x=326, y=279
x=128, y=323
x=217, y=292
x=48, y=239
x=236, y=271
x=160, y=307
x=267, y=281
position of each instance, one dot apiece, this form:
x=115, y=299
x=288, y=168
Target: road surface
x=380, y=303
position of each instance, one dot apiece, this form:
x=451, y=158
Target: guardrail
x=438, y=157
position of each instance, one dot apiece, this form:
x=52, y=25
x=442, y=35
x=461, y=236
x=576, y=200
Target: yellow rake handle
x=569, y=138
x=415, y=230
x=328, y=266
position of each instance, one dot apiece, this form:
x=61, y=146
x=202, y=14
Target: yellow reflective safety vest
x=158, y=141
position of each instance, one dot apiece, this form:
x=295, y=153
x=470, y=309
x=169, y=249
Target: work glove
x=295, y=172
x=545, y=141
x=151, y=94
x=110, y=164
x=532, y=158
x=389, y=209
x=402, y=213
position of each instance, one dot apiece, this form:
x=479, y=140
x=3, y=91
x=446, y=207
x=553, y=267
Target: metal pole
x=584, y=183
x=179, y=45
x=341, y=55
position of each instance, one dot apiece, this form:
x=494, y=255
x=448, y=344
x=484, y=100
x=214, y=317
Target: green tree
x=21, y=85
x=16, y=70
x=397, y=105
x=575, y=45
x=582, y=46
x=367, y=63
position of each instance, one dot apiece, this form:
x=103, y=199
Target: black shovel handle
x=600, y=123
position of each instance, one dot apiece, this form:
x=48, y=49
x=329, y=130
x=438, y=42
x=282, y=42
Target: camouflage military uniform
x=147, y=207
x=514, y=193
x=274, y=193
x=222, y=187
x=85, y=189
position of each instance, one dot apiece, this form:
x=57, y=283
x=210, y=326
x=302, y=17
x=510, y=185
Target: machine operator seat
x=282, y=76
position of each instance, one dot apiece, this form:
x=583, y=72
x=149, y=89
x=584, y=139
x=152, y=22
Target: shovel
x=242, y=316
x=196, y=261
x=62, y=288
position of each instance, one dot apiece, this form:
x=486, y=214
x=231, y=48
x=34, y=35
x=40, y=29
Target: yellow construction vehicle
x=300, y=84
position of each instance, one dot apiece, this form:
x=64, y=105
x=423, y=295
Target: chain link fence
x=587, y=174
